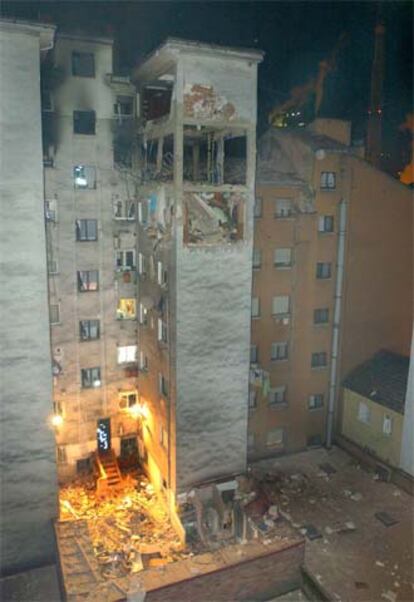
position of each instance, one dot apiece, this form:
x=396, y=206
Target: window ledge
x=279, y=361
x=278, y=406
x=283, y=267
x=319, y=368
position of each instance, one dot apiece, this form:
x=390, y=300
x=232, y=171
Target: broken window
x=89, y=330
x=279, y=351
x=323, y=270
x=88, y=280
x=127, y=399
x=315, y=401
x=156, y=100
x=126, y=309
x=125, y=260
x=83, y=64
x=277, y=396
x=321, y=315
x=328, y=180
x=86, y=230
x=54, y=313
x=84, y=122
x=124, y=209
x=127, y=354
x=319, y=360
x=90, y=377
x=84, y=176
x=213, y=217
x=326, y=223
x=283, y=257
x=214, y=156
x=283, y=208
x=276, y=437
x=255, y=307
x=280, y=305
x=158, y=158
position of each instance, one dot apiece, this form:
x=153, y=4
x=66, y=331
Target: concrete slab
x=38, y=585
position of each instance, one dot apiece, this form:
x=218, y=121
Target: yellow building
x=373, y=405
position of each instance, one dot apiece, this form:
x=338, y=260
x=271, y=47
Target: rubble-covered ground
x=129, y=528
x=338, y=506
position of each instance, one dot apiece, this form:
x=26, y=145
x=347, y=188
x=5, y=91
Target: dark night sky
x=294, y=35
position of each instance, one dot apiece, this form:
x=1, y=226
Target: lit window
x=277, y=396
x=127, y=354
x=283, y=208
x=283, y=258
x=54, y=314
x=254, y=354
x=88, y=280
x=125, y=260
x=387, y=425
x=126, y=309
x=127, y=399
x=315, y=401
x=364, y=413
x=326, y=223
x=252, y=399
x=255, y=307
x=258, y=206
x=91, y=377
x=86, y=229
x=319, y=360
x=84, y=122
x=257, y=258
x=83, y=64
x=321, y=315
x=84, y=176
x=328, y=180
x=323, y=270
x=280, y=305
x=89, y=330
x=279, y=351
x=275, y=437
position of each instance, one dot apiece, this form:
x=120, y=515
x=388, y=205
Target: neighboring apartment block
x=332, y=279
x=90, y=212
x=27, y=442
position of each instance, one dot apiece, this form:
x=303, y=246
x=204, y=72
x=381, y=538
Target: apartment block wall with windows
x=91, y=244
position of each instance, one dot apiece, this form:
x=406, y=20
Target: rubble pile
x=129, y=529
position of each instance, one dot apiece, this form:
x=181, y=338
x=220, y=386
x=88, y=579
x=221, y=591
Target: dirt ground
x=352, y=555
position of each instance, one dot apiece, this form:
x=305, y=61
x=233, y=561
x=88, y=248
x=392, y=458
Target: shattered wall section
x=213, y=217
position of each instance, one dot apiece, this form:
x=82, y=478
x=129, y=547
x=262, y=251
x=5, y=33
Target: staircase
x=108, y=467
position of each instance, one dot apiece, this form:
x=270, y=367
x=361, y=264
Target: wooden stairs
x=110, y=475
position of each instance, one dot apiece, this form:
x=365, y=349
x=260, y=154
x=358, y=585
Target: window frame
x=255, y=315
x=81, y=289
x=278, y=264
x=324, y=182
x=322, y=220
x=318, y=322
x=58, y=321
x=277, y=299
x=312, y=405
x=280, y=213
x=118, y=310
x=84, y=122
x=317, y=355
x=85, y=222
x=76, y=56
x=277, y=345
x=122, y=266
x=83, y=328
x=256, y=258
x=274, y=401
x=320, y=270
x=276, y=444
x=387, y=419
x=364, y=416
x=129, y=351
x=258, y=207
x=254, y=353
x=89, y=372
x=86, y=169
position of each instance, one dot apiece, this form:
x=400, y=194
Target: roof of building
x=382, y=379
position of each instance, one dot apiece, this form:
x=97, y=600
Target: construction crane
x=290, y=111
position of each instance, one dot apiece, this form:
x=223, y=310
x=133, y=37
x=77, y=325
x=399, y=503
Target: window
x=143, y=361
x=143, y=211
x=141, y=264
x=326, y=223
x=162, y=275
x=387, y=425
x=89, y=330
x=124, y=209
x=162, y=331
x=275, y=437
x=163, y=437
x=142, y=315
x=277, y=396
x=51, y=210
x=127, y=399
x=125, y=260
x=84, y=122
x=84, y=176
x=280, y=305
x=126, y=309
x=162, y=385
x=90, y=377
x=83, y=64
x=127, y=354
x=52, y=266
x=283, y=258
x=257, y=258
x=88, y=280
x=283, y=208
x=61, y=455
x=255, y=307
x=54, y=314
x=252, y=399
x=86, y=229
x=319, y=360
x=254, y=354
x=323, y=270
x=258, y=206
x=328, y=180
x=279, y=351
x=315, y=401
x=321, y=315
x=124, y=106
x=314, y=441
x=364, y=413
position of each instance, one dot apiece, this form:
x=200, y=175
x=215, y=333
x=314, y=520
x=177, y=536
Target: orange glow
x=139, y=410
x=56, y=420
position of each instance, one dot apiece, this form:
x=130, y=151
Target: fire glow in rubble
x=129, y=528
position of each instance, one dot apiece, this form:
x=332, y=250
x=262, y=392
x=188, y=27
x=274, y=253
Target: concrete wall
x=371, y=436
x=28, y=488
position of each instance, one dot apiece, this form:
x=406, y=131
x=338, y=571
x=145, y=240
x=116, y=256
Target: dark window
x=84, y=466
x=89, y=330
x=314, y=441
x=315, y=401
x=162, y=385
x=319, y=360
x=321, y=315
x=279, y=351
x=83, y=64
x=323, y=270
x=88, y=280
x=124, y=106
x=91, y=377
x=254, y=354
x=328, y=180
x=86, y=229
x=84, y=122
